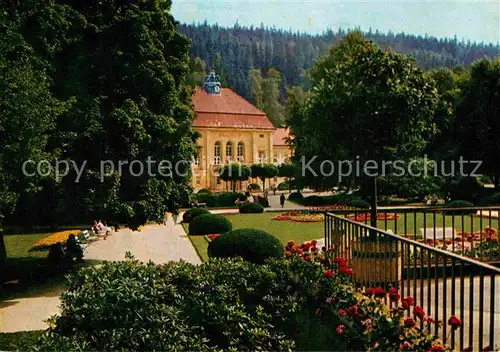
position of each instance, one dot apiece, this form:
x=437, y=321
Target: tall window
x=229, y=151
x=217, y=153
x=240, y=151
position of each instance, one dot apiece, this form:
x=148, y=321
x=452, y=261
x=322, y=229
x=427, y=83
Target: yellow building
x=232, y=130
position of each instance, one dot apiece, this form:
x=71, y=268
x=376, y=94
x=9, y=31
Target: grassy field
x=20, y=263
x=284, y=230
x=300, y=232
x=10, y=341
x=460, y=223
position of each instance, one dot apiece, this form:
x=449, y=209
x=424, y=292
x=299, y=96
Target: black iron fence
x=441, y=279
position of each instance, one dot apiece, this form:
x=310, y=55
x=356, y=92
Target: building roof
x=227, y=110
x=279, y=136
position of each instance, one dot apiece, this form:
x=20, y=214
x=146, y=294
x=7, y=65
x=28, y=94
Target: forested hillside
x=233, y=52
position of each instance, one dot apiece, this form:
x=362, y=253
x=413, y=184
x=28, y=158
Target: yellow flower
x=54, y=238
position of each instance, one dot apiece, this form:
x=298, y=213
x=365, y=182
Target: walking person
x=175, y=212
x=165, y=219
x=282, y=200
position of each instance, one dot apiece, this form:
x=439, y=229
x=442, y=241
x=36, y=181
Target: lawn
x=460, y=223
x=300, y=232
x=284, y=230
x=21, y=263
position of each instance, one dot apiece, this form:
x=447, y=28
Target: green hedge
x=313, y=200
x=263, y=201
x=209, y=224
x=253, y=245
x=190, y=214
x=222, y=199
x=253, y=187
x=284, y=186
x=359, y=203
x=251, y=208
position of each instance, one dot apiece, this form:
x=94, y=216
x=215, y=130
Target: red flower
x=405, y=303
x=289, y=254
x=409, y=322
x=405, y=345
x=341, y=261
x=394, y=294
x=329, y=273
x=340, y=330
x=419, y=312
x=329, y=300
x=430, y=320
x=342, y=312
x=291, y=243
x=454, y=322
x=344, y=269
x=369, y=291
x=436, y=348
x=314, y=249
x=352, y=310
x=307, y=258
x=314, y=242
x=410, y=300
x=379, y=292
x=298, y=250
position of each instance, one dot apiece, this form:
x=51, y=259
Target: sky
x=469, y=20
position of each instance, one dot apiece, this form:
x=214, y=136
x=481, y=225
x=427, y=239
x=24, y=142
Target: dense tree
x=293, y=54
x=125, y=66
x=366, y=104
x=478, y=118
x=234, y=173
x=264, y=171
x=197, y=72
x=27, y=116
x=271, y=98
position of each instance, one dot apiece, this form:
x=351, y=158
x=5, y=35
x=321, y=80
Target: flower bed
x=45, y=243
x=367, y=216
x=300, y=216
x=329, y=207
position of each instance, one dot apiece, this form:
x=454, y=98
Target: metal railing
x=442, y=282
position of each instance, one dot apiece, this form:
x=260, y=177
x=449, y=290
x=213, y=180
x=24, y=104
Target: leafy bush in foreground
x=291, y=303
x=253, y=245
x=295, y=197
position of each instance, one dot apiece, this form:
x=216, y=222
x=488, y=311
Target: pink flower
x=342, y=313
x=329, y=300
x=340, y=330
x=329, y=273
x=352, y=310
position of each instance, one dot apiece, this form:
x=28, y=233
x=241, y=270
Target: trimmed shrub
x=253, y=187
x=204, y=190
x=313, y=200
x=284, y=186
x=193, y=213
x=251, y=208
x=253, y=245
x=359, y=203
x=460, y=204
x=295, y=197
x=226, y=199
x=209, y=223
x=263, y=201
x=492, y=199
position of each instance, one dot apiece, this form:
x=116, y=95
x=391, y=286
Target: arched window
x=229, y=151
x=240, y=151
x=217, y=153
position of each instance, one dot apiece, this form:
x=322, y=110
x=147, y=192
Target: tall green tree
x=271, y=98
x=126, y=66
x=478, y=118
x=264, y=171
x=366, y=104
x=197, y=72
x=27, y=117
x=255, y=78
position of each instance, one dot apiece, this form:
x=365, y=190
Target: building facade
x=232, y=130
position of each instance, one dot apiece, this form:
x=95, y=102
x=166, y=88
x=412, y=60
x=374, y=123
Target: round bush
x=295, y=196
x=313, y=200
x=253, y=187
x=251, y=208
x=263, y=201
x=208, y=224
x=284, y=186
x=253, y=245
x=359, y=203
x=193, y=213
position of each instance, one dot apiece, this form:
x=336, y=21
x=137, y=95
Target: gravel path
x=158, y=243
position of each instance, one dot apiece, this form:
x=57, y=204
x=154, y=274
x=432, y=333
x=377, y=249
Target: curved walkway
x=157, y=243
